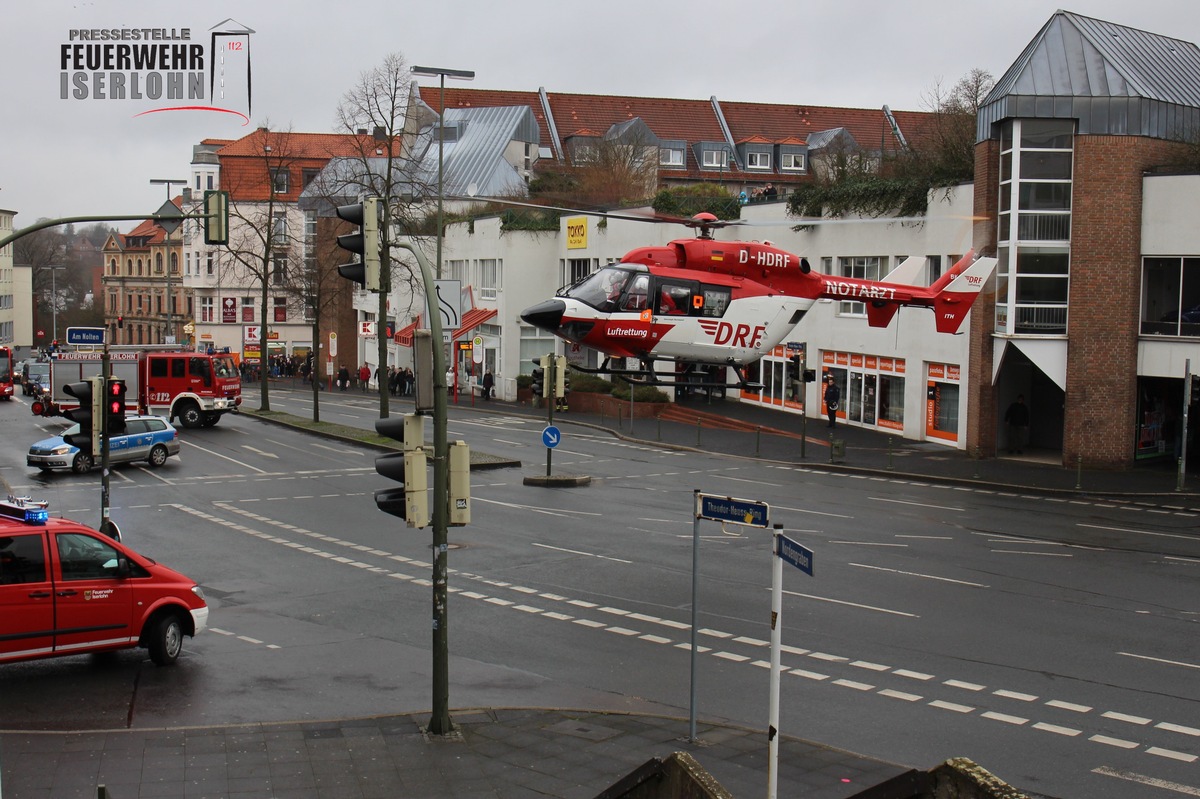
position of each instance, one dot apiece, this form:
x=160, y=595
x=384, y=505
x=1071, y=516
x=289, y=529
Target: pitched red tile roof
x=693, y=121
x=300, y=145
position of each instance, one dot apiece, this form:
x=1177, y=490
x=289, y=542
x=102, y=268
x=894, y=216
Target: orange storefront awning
x=473, y=319
x=404, y=336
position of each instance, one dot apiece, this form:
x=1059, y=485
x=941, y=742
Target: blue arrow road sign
x=85, y=335
x=551, y=436
x=798, y=555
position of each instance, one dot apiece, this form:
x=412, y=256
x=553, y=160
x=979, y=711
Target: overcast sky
x=77, y=157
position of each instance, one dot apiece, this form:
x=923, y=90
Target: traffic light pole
x=106, y=524
x=439, y=723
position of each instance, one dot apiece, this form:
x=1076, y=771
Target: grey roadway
x=742, y=443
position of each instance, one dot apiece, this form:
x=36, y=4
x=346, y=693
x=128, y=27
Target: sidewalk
x=495, y=753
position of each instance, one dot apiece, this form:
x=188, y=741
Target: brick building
x=1090, y=320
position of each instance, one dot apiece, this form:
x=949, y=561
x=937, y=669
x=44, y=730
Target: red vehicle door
x=94, y=604
x=26, y=596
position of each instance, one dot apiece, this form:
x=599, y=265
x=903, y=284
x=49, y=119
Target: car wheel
x=166, y=640
x=158, y=455
x=190, y=416
x=82, y=463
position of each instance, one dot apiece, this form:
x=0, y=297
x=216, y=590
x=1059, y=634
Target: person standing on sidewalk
x=1017, y=419
x=832, y=395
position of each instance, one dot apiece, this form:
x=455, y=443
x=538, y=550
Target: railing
x=1041, y=319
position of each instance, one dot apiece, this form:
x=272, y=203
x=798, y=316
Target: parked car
x=68, y=589
x=146, y=438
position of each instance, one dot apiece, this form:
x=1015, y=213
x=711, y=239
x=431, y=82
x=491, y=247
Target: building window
x=1034, y=226
x=865, y=268
x=128, y=266
x=206, y=309
x=792, y=162
x=308, y=176
x=279, y=180
x=281, y=309
x=457, y=270
x=158, y=263
x=1171, y=296
x=489, y=278
x=670, y=156
x=175, y=263
x=209, y=183
x=716, y=158
x=247, y=309
x=279, y=230
x=112, y=266
x=139, y=267
x=758, y=160
x=210, y=264
x=279, y=270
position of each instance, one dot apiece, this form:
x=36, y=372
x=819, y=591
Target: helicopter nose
x=545, y=315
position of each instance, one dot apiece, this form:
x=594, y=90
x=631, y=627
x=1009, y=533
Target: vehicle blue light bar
x=24, y=509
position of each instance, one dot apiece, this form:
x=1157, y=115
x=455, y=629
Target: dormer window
x=670, y=156
x=716, y=158
x=792, y=162
x=279, y=181
x=758, y=160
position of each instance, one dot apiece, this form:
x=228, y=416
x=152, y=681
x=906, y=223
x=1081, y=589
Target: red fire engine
x=194, y=387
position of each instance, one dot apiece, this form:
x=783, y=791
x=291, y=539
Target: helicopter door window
x=716, y=300
x=639, y=291
x=674, y=299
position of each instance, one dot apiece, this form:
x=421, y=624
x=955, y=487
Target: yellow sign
x=577, y=233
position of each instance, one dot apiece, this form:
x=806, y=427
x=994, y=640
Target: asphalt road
x=1051, y=640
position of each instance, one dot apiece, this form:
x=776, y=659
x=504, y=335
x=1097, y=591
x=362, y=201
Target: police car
x=67, y=589
x=146, y=438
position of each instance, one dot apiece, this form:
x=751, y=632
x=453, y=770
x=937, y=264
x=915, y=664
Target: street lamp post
x=54, y=300
x=170, y=229
x=439, y=723
x=441, y=74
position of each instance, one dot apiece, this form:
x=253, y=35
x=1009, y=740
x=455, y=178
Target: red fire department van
x=194, y=387
x=66, y=589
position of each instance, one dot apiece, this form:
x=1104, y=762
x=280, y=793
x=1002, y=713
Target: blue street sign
x=798, y=555
x=85, y=335
x=737, y=511
x=551, y=436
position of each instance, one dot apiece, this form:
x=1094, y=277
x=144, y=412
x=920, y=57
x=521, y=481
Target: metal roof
x=1111, y=78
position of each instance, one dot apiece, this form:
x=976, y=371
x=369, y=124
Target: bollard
x=1078, y=472
x=697, y=432
x=889, y=466
x=659, y=435
x=758, y=441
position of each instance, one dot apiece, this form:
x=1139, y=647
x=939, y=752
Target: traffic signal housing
x=539, y=384
x=88, y=415
x=410, y=501
x=114, y=423
x=364, y=242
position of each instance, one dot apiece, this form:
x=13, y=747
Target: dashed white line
x=1007, y=719
x=1054, y=728
x=1069, y=706
x=1120, y=743
x=1112, y=714
x=1184, y=757
x=1130, y=776
x=951, y=706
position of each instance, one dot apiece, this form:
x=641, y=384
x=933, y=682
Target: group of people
x=759, y=194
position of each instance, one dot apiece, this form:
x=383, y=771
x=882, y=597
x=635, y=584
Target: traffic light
x=810, y=375
x=365, y=242
x=87, y=415
x=539, y=384
x=562, y=384
x=216, y=217
x=411, y=500
x=114, y=423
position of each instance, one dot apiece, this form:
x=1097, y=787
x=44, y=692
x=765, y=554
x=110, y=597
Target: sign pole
x=695, y=580
x=776, y=642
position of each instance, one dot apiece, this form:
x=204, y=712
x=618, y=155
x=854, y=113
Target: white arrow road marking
x=258, y=451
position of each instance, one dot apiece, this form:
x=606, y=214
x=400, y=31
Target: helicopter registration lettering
x=764, y=258
x=841, y=289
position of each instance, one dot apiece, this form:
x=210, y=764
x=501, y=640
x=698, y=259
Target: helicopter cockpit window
x=639, y=292
x=716, y=300
x=602, y=289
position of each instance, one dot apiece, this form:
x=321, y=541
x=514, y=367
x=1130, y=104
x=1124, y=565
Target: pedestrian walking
x=832, y=396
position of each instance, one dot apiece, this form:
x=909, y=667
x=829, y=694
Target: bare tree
x=619, y=168
x=947, y=151
x=264, y=243
x=379, y=105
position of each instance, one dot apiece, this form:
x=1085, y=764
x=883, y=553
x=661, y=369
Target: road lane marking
x=1007, y=719
x=1161, y=660
x=580, y=552
x=851, y=604
x=1136, y=532
x=226, y=457
x=1054, y=728
x=907, y=697
x=1016, y=695
x=1069, y=706
x=1139, y=720
x=1130, y=776
x=917, y=504
x=951, y=706
x=918, y=574
x=1120, y=743
x=1172, y=754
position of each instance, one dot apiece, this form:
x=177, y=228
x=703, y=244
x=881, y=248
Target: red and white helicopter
x=727, y=303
